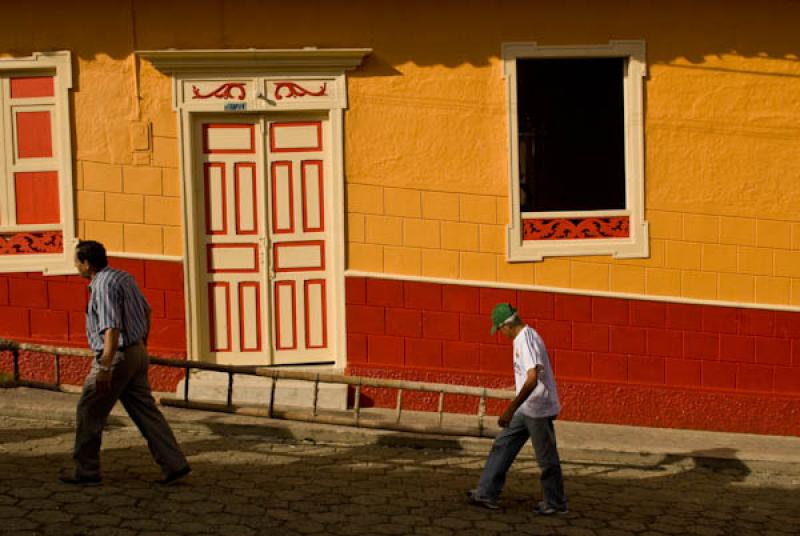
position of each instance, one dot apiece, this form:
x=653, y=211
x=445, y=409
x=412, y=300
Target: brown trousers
x=129, y=385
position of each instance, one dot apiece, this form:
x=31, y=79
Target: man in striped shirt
x=117, y=326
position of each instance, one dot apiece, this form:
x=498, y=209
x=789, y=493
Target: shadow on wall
x=400, y=31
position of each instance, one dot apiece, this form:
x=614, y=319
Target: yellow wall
x=426, y=132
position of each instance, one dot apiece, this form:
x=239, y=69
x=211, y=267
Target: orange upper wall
x=426, y=131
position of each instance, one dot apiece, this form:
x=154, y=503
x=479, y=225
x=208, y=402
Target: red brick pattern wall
x=603, y=350
x=50, y=310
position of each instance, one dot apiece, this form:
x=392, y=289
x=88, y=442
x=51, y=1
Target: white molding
x=256, y=68
x=620, y=248
x=59, y=65
x=614, y=48
x=219, y=61
x=637, y=244
x=46, y=263
x=571, y=291
x=53, y=264
x=337, y=238
x=258, y=98
x=35, y=228
x=145, y=256
x=59, y=61
x=575, y=214
x=186, y=172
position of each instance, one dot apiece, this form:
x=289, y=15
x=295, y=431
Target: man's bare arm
x=527, y=388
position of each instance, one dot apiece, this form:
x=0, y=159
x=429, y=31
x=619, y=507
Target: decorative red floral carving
x=294, y=90
x=34, y=242
x=575, y=228
x=225, y=91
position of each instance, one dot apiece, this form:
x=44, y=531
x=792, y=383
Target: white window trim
x=59, y=65
x=637, y=244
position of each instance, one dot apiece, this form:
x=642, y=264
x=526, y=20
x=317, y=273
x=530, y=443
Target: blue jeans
x=507, y=445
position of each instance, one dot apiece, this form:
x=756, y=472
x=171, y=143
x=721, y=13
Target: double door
x=264, y=240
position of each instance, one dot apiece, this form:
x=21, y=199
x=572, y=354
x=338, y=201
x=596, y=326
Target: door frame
x=196, y=249
x=253, y=81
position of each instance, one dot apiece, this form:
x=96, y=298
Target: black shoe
x=480, y=500
x=69, y=477
x=545, y=509
x=174, y=478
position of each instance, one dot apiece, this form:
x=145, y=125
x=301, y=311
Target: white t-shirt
x=529, y=352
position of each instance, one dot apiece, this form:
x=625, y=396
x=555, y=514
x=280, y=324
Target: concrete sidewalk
x=577, y=441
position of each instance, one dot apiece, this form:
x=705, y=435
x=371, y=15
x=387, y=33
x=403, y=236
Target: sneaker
x=480, y=500
x=174, y=478
x=70, y=477
x=545, y=509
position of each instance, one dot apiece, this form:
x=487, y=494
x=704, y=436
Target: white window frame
x=57, y=64
x=634, y=246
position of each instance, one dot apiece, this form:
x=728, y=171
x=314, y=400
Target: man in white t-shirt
x=529, y=415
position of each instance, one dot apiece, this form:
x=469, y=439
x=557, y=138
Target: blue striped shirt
x=115, y=302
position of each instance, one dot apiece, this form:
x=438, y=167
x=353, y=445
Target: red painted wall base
x=616, y=360
x=694, y=409
x=610, y=403
x=50, y=310
x=73, y=370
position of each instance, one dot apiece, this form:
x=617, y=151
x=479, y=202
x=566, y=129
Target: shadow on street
x=250, y=480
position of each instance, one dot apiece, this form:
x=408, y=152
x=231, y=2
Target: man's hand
x=102, y=382
x=527, y=388
x=504, y=419
x=103, y=378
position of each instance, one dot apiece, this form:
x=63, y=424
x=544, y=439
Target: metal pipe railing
x=274, y=374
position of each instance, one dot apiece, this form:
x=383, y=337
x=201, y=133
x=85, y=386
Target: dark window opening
x=571, y=123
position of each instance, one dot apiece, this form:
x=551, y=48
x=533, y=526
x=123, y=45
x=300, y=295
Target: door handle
x=266, y=257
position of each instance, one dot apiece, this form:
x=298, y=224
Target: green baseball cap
x=501, y=313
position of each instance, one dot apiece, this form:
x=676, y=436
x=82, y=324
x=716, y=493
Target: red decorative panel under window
x=27, y=243
x=37, y=197
x=31, y=87
x=34, y=135
x=575, y=228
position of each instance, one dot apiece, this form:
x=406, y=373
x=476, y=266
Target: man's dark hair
x=93, y=252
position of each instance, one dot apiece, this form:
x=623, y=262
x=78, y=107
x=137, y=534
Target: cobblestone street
x=245, y=482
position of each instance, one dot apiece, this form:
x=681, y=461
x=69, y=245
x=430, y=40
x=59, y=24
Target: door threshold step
x=209, y=386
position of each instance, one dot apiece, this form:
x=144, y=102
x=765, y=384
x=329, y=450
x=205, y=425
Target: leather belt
x=131, y=345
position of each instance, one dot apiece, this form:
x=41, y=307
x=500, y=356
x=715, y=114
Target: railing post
x=15, y=354
x=357, y=403
x=316, y=396
x=399, y=404
x=58, y=371
x=441, y=408
x=481, y=412
x=186, y=384
x=272, y=396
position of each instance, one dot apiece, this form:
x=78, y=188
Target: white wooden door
x=300, y=232
x=265, y=241
x=233, y=228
